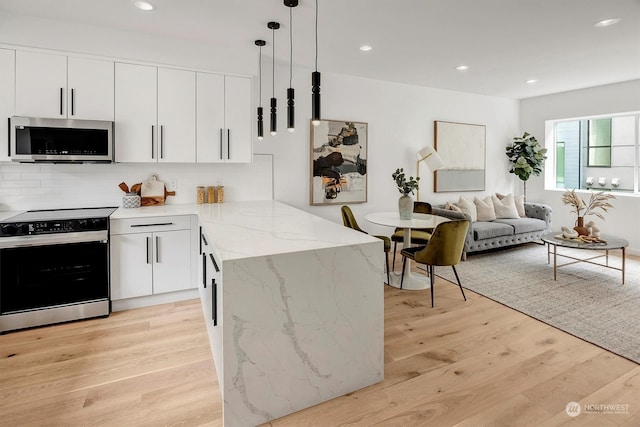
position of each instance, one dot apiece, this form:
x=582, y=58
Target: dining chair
x=349, y=220
x=419, y=236
x=443, y=249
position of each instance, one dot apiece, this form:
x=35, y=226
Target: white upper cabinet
x=54, y=86
x=90, y=89
x=223, y=119
x=135, y=113
x=177, y=115
x=7, y=98
x=155, y=118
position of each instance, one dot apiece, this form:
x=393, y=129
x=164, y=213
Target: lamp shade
x=429, y=155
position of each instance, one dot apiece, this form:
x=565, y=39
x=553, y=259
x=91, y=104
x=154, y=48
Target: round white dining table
x=414, y=282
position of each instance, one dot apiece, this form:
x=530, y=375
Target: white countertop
x=8, y=214
x=257, y=228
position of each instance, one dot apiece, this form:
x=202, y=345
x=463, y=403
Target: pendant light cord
x=273, y=63
x=290, y=45
x=316, y=35
x=260, y=68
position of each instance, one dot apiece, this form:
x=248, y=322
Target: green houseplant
x=526, y=157
x=405, y=187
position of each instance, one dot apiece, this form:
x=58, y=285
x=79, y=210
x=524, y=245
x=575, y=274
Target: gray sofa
x=503, y=232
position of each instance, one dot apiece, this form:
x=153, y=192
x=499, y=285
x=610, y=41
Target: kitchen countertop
x=8, y=214
x=257, y=228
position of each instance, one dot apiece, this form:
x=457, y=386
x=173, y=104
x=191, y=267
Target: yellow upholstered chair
x=419, y=236
x=444, y=248
x=350, y=221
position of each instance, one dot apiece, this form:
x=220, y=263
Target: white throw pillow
x=485, y=209
x=468, y=207
x=519, y=201
x=505, y=207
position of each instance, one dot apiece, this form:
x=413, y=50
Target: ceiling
x=417, y=42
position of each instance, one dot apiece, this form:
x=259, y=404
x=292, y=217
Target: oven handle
x=100, y=236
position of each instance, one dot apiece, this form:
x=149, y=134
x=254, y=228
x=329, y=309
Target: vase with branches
x=597, y=205
x=527, y=157
x=405, y=187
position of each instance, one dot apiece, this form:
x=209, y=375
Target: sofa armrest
x=540, y=211
x=449, y=214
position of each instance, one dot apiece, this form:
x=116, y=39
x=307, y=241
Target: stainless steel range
x=54, y=267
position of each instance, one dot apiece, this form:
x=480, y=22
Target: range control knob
x=9, y=230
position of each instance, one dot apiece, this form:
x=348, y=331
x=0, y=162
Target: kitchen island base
x=298, y=329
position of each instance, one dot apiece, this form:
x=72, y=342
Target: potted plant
x=405, y=187
x=527, y=157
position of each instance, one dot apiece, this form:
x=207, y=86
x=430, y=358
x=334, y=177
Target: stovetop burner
x=56, y=221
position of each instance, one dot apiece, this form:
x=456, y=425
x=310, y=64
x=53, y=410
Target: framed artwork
x=338, y=162
x=462, y=149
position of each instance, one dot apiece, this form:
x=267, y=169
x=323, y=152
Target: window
x=595, y=153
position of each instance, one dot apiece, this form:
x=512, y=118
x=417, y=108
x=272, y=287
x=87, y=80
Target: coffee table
x=611, y=243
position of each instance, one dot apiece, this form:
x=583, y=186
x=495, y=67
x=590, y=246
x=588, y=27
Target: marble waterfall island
x=299, y=309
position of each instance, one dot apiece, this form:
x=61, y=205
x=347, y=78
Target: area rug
x=587, y=301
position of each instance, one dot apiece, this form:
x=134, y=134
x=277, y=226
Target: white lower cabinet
x=150, y=256
x=210, y=289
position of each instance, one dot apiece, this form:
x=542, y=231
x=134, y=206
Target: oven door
x=55, y=270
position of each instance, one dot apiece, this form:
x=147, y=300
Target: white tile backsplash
x=47, y=186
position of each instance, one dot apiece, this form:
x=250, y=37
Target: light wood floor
x=474, y=363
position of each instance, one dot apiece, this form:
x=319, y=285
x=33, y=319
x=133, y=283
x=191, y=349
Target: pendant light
x=273, y=26
x=315, y=84
x=291, y=120
x=260, y=43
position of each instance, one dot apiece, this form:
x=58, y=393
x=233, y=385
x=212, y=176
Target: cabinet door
x=210, y=118
x=131, y=265
x=176, y=115
x=41, y=85
x=238, y=119
x=7, y=98
x=90, y=89
x=135, y=113
x=171, y=261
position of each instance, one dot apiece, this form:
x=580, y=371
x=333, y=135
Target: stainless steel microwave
x=60, y=140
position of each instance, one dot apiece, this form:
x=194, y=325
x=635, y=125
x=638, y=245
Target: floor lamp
x=433, y=161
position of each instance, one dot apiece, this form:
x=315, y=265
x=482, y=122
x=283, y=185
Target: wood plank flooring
x=474, y=363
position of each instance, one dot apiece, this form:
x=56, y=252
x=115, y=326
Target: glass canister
x=220, y=193
x=200, y=195
x=211, y=194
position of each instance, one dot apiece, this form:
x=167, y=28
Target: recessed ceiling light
x=607, y=22
x=462, y=67
x=365, y=48
x=143, y=5
x=531, y=81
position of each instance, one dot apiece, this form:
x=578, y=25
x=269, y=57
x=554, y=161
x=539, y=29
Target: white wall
x=609, y=99
x=400, y=119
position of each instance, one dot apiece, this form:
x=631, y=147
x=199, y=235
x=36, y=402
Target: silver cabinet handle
x=157, y=249
x=220, y=144
x=161, y=141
